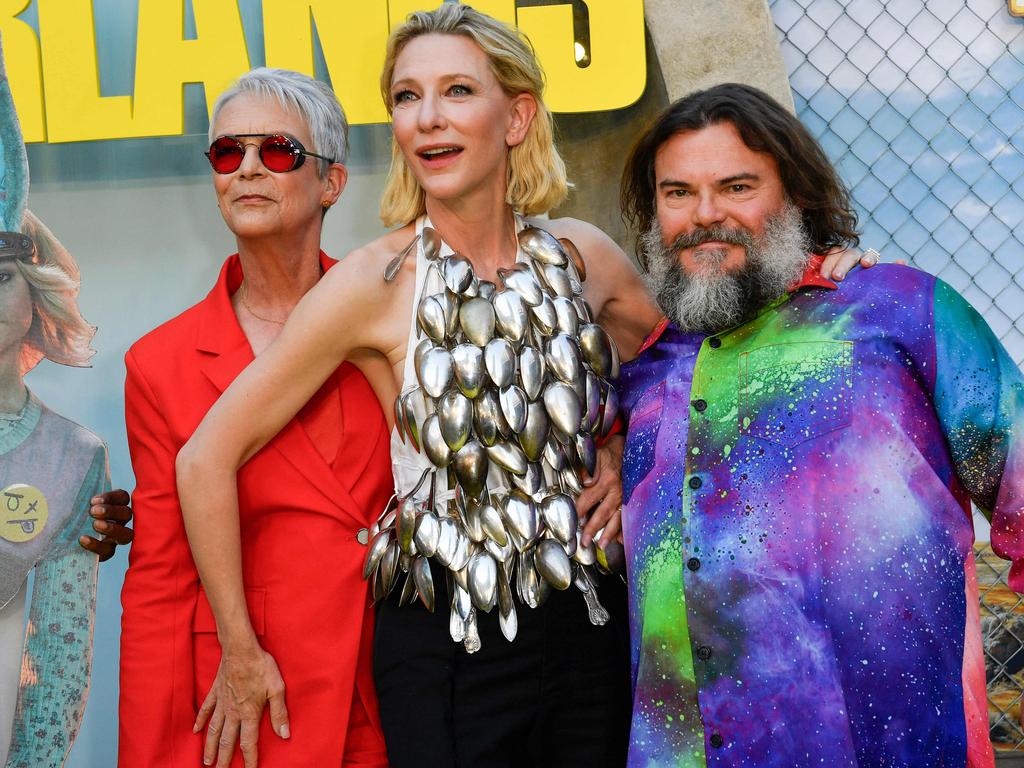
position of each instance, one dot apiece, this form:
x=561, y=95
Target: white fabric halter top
x=408, y=466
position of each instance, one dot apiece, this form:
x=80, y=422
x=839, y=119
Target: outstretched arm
x=328, y=325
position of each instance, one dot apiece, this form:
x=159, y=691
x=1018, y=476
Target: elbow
x=186, y=465
x=202, y=465
x=192, y=466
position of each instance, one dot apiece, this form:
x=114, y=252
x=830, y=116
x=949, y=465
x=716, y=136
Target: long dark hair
x=808, y=177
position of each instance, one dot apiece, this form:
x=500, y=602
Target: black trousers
x=558, y=696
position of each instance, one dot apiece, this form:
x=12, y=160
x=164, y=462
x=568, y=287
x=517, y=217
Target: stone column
x=691, y=44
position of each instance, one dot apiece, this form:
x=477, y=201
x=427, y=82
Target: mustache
x=709, y=299
x=701, y=235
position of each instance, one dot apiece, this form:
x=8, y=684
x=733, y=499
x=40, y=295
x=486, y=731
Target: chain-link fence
x=921, y=106
x=1002, y=627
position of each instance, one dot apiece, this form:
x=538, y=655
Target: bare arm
x=613, y=287
x=327, y=326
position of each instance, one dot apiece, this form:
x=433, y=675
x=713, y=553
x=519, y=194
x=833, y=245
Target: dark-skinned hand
x=111, y=513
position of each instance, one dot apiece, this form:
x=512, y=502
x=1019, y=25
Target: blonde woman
x=473, y=158
x=50, y=470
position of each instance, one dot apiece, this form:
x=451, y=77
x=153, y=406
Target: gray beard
x=709, y=300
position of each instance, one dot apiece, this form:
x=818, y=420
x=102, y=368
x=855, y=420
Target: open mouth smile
x=439, y=155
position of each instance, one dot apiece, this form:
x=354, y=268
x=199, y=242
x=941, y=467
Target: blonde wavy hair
x=536, y=173
x=58, y=331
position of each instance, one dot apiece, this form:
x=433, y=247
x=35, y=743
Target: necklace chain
x=252, y=312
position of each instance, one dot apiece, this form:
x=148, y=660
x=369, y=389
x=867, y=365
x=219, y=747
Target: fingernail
x=207, y=761
x=95, y=500
x=95, y=511
x=101, y=525
x=285, y=733
x=838, y=274
x=585, y=540
x=195, y=728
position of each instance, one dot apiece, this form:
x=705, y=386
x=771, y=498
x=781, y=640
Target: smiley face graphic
x=23, y=513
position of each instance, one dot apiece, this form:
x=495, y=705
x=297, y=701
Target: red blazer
x=302, y=561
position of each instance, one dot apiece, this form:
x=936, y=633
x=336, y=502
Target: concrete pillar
x=691, y=44
x=700, y=43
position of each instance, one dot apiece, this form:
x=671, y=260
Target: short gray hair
x=314, y=101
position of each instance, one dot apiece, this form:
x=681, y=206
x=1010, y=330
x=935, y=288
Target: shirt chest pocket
x=790, y=393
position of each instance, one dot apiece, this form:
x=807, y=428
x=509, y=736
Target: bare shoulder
x=602, y=255
x=613, y=287
x=375, y=312
x=380, y=251
x=585, y=235
x=367, y=262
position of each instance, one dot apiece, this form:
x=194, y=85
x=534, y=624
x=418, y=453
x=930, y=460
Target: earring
x=325, y=204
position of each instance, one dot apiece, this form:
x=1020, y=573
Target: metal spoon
x=455, y=417
x=431, y=243
x=542, y=246
x=531, y=371
x=553, y=564
x=395, y=265
x=424, y=581
x=500, y=361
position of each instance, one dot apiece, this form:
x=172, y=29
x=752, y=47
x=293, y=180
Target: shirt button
x=693, y=564
x=714, y=342
x=363, y=536
x=704, y=652
x=717, y=740
x=696, y=482
x=700, y=405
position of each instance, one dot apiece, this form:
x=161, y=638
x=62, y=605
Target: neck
x=482, y=229
x=12, y=386
x=278, y=273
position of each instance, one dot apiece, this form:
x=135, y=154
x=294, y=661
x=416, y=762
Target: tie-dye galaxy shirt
x=798, y=529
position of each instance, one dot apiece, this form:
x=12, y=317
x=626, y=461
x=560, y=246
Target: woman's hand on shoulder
x=839, y=261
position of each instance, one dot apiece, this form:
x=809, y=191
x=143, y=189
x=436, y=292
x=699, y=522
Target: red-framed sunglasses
x=15, y=245
x=278, y=153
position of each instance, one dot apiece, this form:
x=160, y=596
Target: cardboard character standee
x=50, y=468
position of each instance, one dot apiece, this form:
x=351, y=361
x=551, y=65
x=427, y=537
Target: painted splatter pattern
x=798, y=530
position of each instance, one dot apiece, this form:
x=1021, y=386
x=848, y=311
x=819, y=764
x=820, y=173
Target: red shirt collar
x=811, y=278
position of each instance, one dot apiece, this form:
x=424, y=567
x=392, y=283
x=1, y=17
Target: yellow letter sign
x=165, y=61
x=75, y=110
x=21, y=54
x=55, y=78
x=353, y=34
x=618, y=67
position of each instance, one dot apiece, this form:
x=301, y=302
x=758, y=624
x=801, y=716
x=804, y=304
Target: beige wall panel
x=691, y=44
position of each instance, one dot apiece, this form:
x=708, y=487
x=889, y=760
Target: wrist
x=238, y=641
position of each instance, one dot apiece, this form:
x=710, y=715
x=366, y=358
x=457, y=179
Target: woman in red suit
x=305, y=499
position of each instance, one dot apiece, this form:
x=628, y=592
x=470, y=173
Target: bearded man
x=799, y=467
